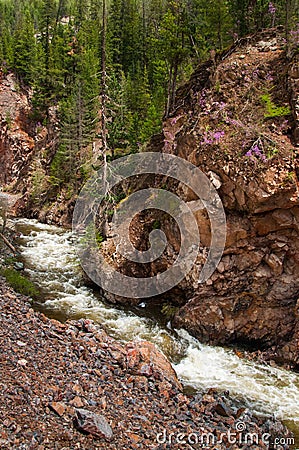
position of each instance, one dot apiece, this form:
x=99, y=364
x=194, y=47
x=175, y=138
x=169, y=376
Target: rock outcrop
x=252, y=296
x=16, y=141
x=237, y=120
x=27, y=149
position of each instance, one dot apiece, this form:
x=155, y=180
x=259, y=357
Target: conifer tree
x=24, y=50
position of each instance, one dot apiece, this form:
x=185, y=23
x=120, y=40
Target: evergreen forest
x=109, y=69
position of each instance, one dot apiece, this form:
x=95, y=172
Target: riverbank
x=51, y=371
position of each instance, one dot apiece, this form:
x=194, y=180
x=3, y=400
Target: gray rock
x=92, y=423
x=18, y=266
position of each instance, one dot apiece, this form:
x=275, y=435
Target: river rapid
x=51, y=262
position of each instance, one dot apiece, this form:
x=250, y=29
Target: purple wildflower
x=294, y=35
x=218, y=135
x=207, y=139
x=202, y=100
x=210, y=138
x=256, y=150
x=272, y=9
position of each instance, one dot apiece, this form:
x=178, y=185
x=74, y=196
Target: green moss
x=99, y=239
x=19, y=283
x=218, y=87
x=273, y=110
x=289, y=179
x=272, y=151
x=9, y=260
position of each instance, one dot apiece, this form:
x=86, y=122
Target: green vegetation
x=109, y=69
x=99, y=239
x=168, y=310
x=273, y=110
x=290, y=178
x=271, y=151
x=156, y=225
x=19, y=283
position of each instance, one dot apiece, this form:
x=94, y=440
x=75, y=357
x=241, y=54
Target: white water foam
x=266, y=389
x=51, y=261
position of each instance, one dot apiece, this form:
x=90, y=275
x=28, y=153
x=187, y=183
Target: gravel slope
x=51, y=371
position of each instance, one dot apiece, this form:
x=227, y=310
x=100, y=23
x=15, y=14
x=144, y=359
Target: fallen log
x=9, y=245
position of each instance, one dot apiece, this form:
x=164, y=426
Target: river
x=50, y=261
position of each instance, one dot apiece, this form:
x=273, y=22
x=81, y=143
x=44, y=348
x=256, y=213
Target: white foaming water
x=267, y=389
x=51, y=262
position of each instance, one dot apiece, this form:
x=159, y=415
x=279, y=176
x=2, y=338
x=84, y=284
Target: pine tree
x=174, y=45
x=24, y=50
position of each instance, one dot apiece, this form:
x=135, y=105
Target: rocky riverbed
x=71, y=386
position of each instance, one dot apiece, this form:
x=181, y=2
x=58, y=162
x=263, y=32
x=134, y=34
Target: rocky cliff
x=27, y=149
x=252, y=297
x=16, y=141
x=237, y=120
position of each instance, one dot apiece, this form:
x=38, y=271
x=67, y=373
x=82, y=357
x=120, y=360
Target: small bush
x=168, y=310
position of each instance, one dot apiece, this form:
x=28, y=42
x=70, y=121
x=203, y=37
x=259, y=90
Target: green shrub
x=168, y=310
x=156, y=225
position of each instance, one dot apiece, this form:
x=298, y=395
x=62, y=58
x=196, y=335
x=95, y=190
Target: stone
x=215, y=179
x=275, y=263
x=18, y=266
x=240, y=196
x=23, y=362
x=223, y=410
x=92, y=423
x=144, y=359
x=221, y=267
x=58, y=407
x=77, y=402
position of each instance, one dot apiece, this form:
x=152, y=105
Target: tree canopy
x=55, y=48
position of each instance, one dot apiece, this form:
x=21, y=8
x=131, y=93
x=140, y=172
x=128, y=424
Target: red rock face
x=144, y=359
x=294, y=90
x=26, y=151
x=222, y=125
x=16, y=145
x=252, y=296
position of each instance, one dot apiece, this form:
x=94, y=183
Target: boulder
x=144, y=359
